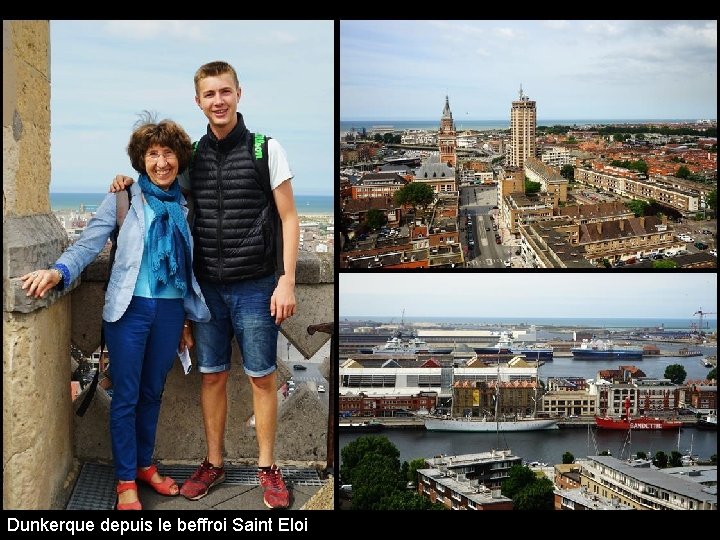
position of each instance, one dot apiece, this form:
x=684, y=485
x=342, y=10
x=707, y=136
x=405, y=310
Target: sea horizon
x=307, y=205
x=668, y=323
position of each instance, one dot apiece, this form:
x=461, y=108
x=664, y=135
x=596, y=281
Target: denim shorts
x=241, y=309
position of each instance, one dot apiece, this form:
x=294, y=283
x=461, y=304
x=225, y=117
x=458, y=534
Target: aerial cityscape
x=485, y=145
x=523, y=192
x=597, y=385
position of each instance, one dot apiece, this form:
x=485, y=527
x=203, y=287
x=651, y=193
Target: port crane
x=701, y=314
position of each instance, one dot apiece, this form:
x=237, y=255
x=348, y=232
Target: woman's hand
x=186, y=339
x=38, y=282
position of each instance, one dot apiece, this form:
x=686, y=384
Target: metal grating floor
x=95, y=487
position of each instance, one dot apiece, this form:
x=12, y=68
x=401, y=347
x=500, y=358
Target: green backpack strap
x=258, y=146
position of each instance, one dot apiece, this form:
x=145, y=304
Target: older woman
x=151, y=297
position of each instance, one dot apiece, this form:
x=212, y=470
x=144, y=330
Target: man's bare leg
x=213, y=399
x=264, y=391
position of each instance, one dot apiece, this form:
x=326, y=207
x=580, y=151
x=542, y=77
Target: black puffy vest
x=233, y=238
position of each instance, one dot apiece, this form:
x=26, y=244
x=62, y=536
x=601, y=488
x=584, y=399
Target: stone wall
x=37, y=426
x=302, y=420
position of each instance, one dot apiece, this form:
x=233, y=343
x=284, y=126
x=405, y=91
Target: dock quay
x=416, y=422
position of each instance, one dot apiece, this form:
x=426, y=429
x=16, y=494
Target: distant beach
x=307, y=205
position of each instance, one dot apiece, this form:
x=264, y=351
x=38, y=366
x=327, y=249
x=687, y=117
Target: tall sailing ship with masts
x=485, y=421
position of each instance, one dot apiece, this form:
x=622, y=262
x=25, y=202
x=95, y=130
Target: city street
x=289, y=355
x=478, y=237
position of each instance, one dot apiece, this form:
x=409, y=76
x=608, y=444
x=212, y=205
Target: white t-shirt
x=277, y=162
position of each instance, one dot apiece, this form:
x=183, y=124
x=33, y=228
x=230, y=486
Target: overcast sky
x=540, y=294
x=573, y=69
x=103, y=73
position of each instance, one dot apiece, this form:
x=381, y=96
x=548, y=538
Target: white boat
x=400, y=344
x=483, y=424
x=708, y=422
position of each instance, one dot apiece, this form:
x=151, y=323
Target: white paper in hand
x=185, y=360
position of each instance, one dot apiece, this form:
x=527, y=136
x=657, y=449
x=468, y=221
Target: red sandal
x=123, y=487
x=164, y=487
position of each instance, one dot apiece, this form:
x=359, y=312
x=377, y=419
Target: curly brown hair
x=165, y=133
x=213, y=69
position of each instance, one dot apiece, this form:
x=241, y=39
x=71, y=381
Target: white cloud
x=556, y=25
x=603, y=27
x=509, y=33
x=159, y=30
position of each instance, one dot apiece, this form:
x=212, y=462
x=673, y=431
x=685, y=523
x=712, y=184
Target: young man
x=235, y=264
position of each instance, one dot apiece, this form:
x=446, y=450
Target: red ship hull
x=641, y=423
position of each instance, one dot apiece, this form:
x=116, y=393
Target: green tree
x=617, y=137
x=519, y=478
x=712, y=374
x=676, y=373
x=388, y=138
x=407, y=500
x=531, y=187
x=661, y=459
x=568, y=172
x=713, y=459
x=641, y=455
x=675, y=459
x=415, y=194
x=637, y=206
x=711, y=200
x=683, y=172
x=397, y=139
x=364, y=446
x=664, y=263
x=571, y=140
x=373, y=478
x=640, y=136
x=537, y=496
x=378, y=138
x=375, y=219
x=567, y=457
x=413, y=466
x=527, y=491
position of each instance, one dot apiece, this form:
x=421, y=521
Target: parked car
x=713, y=252
x=700, y=245
x=299, y=367
x=321, y=387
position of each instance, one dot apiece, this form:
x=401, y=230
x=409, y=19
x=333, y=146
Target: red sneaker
x=275, y=493
x=204, y=477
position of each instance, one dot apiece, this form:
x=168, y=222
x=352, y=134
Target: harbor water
x=549, y=445
x=546, y=446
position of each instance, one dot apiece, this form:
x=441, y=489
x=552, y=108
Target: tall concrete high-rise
x=523, y=119
x=447, y=138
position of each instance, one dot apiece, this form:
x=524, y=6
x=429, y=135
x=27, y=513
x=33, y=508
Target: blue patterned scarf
x=168, y=236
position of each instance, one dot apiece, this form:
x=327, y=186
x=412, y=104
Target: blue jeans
x=142, y=345
x=241, y=309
